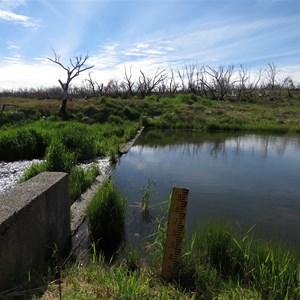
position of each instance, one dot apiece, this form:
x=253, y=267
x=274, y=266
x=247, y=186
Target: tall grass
x=222, y=257
x=223, y=261
x=106, y=215
x=80, y=180
x=31, y=140
x=22, y=143
x=63, y=144
x=59, y=159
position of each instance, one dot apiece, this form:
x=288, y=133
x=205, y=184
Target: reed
x=80, y=180
x=145, y=202
x=106, y=215
x=32, y=139
x=223, y=257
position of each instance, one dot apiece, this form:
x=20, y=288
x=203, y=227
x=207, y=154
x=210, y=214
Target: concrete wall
x=34, y=217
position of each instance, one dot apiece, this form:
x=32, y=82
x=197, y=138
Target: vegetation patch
x=106, y=214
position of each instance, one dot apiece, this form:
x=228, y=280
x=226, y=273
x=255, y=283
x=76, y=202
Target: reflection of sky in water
x=250, y=179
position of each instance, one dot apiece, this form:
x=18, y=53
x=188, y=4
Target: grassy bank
x=186, y=111
x=30, y=140
x=217, y=262
x=62, y=145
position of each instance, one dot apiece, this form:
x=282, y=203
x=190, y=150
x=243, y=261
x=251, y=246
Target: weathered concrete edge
x=78, y=208
x=128, y=145
x=35, y=223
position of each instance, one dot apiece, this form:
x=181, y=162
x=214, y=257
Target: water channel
x=252, y=179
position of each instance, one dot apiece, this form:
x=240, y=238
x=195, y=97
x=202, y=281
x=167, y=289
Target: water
x=11, y=172
x=245, y=178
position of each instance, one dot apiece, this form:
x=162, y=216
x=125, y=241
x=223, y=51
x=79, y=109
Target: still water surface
x=245, y=178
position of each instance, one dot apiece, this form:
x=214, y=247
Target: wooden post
x=175, y=232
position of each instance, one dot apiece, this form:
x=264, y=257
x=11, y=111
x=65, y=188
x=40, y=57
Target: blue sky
x=144, y=34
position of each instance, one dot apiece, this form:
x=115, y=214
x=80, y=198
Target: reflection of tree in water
x=260, y=144
x=219, y=147
x=188, y=144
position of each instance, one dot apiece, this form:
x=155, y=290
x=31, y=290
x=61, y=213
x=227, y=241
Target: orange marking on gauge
x=175, y=232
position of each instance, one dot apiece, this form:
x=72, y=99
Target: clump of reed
x=223, y=257
x=22, y=143
x=32, y=139
x=145, y=202
x=80, y=180
x=106, y=214
x=59, y=159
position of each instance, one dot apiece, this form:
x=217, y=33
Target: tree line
x=216, y=83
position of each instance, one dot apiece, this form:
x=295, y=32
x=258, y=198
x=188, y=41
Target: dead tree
x=5, y=105
x=113, y=88
x=288, y=84
x=173, y=85
x=221, y=79
x=128, y=82
x=77, y=66
x=255, y=85
x=244, y=77
x=190, y=72
x=270, y=74
x=181, y=76
x=206, y=83
x=97, y=88
x=148, y=84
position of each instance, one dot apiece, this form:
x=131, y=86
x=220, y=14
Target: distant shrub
x=115, y=119
x=187, y=98
x=131, y=113
x=152, y=98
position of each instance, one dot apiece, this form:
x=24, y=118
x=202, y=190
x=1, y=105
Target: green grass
x=218, y=261
x=100, y=280
x=222, y=257
x=106, y=215
x=185, y=111
x=31, y=140
x=80, y=180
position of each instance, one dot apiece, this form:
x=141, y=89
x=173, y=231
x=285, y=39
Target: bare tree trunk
x=65, y=98
x=77, y=67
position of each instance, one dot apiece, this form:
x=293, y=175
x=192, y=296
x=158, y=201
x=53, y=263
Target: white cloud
x=14, y=59
x=141, y=45
x=154, y=52
x=133, y=53
x=20, y=19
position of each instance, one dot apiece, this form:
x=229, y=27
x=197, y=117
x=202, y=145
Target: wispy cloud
x=141, y=45
x=14, y=59
x=125, y=34
x=9, y=4
x=19, y=19
x=12, y=46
